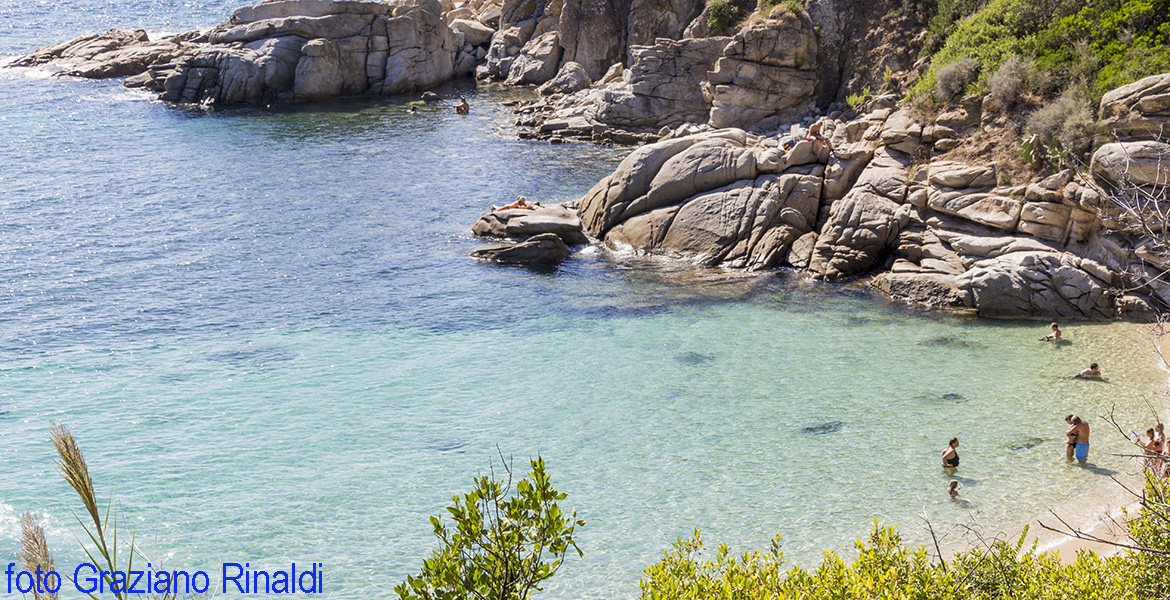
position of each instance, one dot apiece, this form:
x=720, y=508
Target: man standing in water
x=1078, y=439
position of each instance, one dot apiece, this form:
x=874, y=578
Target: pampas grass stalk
x=75, y=471
x=34, y=552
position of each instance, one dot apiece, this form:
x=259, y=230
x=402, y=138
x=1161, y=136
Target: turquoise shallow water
x=263, y=328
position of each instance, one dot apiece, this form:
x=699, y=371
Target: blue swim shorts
x=1082, y=452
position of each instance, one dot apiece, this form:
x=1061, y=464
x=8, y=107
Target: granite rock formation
x=280, y=51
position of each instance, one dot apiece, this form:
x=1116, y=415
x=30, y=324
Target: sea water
x=265, y=332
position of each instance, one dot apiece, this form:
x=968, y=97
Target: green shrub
x=944, y=16
x=1094, y=44
x=854, y=101
x=1067, y=122
x=500, y=546
x=722, y=14
x=1010, y=80
x=952, y=79
x=886, y=568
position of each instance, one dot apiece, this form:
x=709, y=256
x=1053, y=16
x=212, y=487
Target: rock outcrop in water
x=281, y=51
x=883, y=197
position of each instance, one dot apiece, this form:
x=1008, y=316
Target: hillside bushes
x=1094, y=45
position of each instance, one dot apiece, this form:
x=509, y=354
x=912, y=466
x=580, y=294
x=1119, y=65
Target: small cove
x=263, y=328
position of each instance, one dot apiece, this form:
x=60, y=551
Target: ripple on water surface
x=263, y=328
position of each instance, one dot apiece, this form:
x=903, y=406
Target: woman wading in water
x=950, y=456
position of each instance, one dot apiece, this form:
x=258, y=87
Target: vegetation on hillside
x=1093, y=46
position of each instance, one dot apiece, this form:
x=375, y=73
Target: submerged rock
x=543, y=249
x=823, y=428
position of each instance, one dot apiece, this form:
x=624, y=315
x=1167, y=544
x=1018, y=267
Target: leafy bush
x=944, y=16
x=1068, y=122
x=1097, y=45
x=1010, y=80
x=854, y=101
x=722, y=14
x=886, y=568
x=500, y=546
x=952, y=79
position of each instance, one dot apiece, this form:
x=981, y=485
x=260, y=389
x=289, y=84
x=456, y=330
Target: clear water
x=263, y=328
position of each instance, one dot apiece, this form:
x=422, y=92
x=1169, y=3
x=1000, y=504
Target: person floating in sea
x=1093, y=372
x=1078, y=439
x=413, y=110
x=953, y=489
x=950, y=455
x=463, y=108
x=521, y=202
x=1054, y=336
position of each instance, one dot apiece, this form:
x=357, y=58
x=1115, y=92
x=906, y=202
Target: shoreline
x=1109, y=507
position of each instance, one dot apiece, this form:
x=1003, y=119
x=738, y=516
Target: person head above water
x=954, y=442
x=1054, y=326
x=1150, y=432
x=1076, y=420
x=1068, y=418
x=1093, y=366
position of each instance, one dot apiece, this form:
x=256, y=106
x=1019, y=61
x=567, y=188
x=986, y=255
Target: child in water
x=953, y=489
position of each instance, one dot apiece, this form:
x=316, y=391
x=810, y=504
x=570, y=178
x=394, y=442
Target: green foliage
x=1095, y=45
x=793, y=6
x=944, y=16
x=499, y=545
x=1010, y=80
x=854, y=101
x=1066, y=124
x=952, y=79
x=722, y=14
x=681, y=576
x=1151, y=529
x=886, y=568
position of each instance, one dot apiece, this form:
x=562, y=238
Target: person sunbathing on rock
x=521, y=202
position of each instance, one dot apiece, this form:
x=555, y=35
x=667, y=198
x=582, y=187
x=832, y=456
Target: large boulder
x=1139, y=109
x=524, y=223
x=661, y=88
x=537, y=61
x=1144, y=163
x=640, y=176
x=571, y=78
x=931, y=289
x=474, y=32
x=863, y=225
x=1037, y=284
x=747, y=224
x=543, y=249
x=765, y=74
